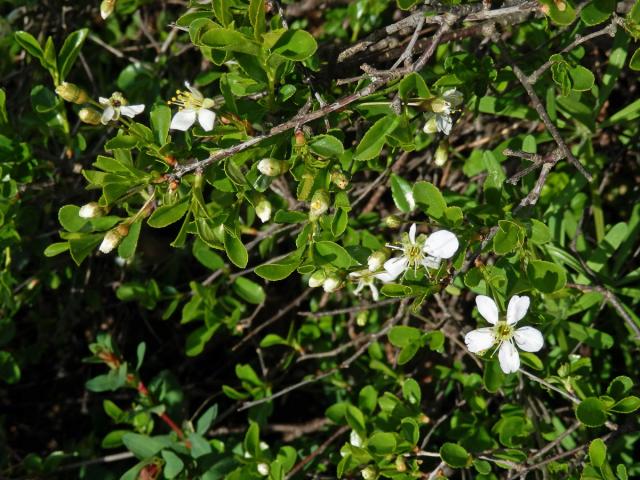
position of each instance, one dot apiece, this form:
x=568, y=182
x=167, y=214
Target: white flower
x=365, y=279
x=331, y=283
x=427, y=252
x=440, y=118
x=192, y=105
x=117, y=105
x=503, y=332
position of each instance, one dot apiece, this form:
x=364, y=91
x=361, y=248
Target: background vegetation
x=198, y=349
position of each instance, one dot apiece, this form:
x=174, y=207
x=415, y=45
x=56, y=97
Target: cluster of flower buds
x=330, y=282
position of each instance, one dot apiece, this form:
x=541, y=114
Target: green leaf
x=206, y=419
x=591, y=412
x=31, y=45
x=248, y=290
x=9, y=368
x=382, y=443
x=230, y=40
x=396, y=290
x=545, y=276
x=340, y=222
x=69, y=218
x=236, y=251
x=482, y=466
x=634, y=63
x=411, y=391
x=455, y=455
x=160, y=120
x=597, y=11
x=121, y=141
x=280, y=269
x=326, y=146
x=401, y=335
x=428, y=197
x=355, y=418
x=581, y=78
x=70, y=51
x=619, y=387
x=493, y=377
x=597, y=452
x=331, y=252
x=257, y=17
x=81, y=248
x=128, y=246
x=413, y=85
x=173, y=464
x=295, y=45
x=406, y=4
x=56, y=249
x=168, y=214
x=508, y=237
x=402, y=194
x=626, y=405
x=561, y=17
x=372, y=142
x=142, y=446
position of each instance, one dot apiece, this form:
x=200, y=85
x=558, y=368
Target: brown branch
x=318, y=451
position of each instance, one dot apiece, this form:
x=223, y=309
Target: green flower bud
x=361, y=319
x=442, y=154
x=70, y=92
x=401, y=465
x=440, y=105
x=369, y=473
x=319, y=203
x=340, y=179
x=376, y=260
x=431, y=126
x=393, y=221
x=317, y=278
x=90, y=116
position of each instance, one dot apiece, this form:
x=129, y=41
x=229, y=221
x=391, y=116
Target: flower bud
x=90, y=116
x=91, y=210
x=355, y=439
x=431, y=126
x=393, y=221
x=317, y=278
x=440, y=105
x=361, y=319
x=442, y=154
x=272, y=167
x=72, y=93
x=263, y=210
x=300, y=140
x=340, y=179
x=106, y=8
x=113, y=238
x=319, y=203
x=263, y=469
x=401, y=465
x=376, y=260
x=331, y=283
x=369, y=473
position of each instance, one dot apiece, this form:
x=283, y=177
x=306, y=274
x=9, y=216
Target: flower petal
x=517, y=308
x=207, y=119
x=108, y=114
x=453, y=97
x=396, y=266
x=197, y=94
x=359, y=288
x=374, y=292
x=444, y=123
x=487, y=308
x=183, y=120
x=103, y=101
x=431, y=262
x=528, y=339
x=480, y=339
x=385, y=277
x=509, y=358
x=131, y=110
x=441, y=244
x=412, y=233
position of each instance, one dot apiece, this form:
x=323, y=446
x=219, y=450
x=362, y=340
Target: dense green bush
x=247, y=239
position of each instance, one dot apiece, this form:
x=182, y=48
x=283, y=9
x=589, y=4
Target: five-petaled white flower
x=503, y=332
x=439, y=119
x=117, y=105
x=192, y=105
x=366, y=277
x=423, y=251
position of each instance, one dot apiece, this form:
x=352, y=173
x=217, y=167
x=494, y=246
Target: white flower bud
x=271, y=167
x=106, y=8
x=376, y=260
x=263, y=469
x=317, y=278
x=319, y=203
x=90, y=210
x=355, y=439
x=442, y=154
x=89, y=116
x=431, y=126
x=263, y=210
x=110, y=241
x=331, y=283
